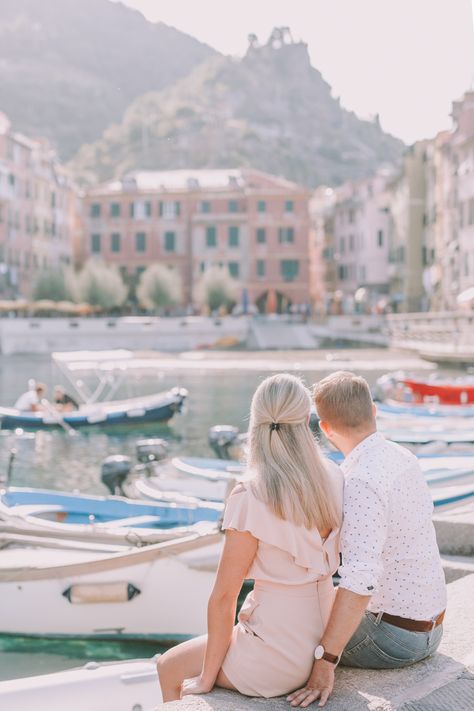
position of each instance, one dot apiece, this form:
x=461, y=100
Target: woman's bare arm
x=239, y=551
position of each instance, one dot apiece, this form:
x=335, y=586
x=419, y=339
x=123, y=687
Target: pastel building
x=462, y=161
x=253, y=224
x=360, y=245
x=39, y=211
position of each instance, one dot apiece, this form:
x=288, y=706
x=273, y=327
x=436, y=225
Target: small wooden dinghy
x=121, y=686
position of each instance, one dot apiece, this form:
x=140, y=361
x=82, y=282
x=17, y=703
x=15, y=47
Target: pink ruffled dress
x=283, y=618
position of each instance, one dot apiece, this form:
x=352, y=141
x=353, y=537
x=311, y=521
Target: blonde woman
x=282, y=531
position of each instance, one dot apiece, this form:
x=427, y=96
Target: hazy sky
x=404, y=59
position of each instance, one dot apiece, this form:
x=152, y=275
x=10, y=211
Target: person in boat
x=391, y=598
x=32, y=399
x=63, y=401
x=282, y=531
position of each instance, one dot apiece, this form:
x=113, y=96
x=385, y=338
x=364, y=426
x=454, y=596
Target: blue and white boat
x=95, y=377
x=160, y=407
x=110, y=519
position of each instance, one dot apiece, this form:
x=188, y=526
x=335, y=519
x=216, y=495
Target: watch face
x=318, y=652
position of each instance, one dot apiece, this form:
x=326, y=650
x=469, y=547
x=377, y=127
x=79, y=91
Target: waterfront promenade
x=445, y=682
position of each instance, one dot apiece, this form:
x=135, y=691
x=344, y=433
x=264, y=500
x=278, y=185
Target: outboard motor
x=151, y=450
x=221, y=438
x=114, y=471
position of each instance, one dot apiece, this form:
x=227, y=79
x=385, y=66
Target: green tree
x=54, y=285
x=159, y=287
x=217, y=288
x=101, y=285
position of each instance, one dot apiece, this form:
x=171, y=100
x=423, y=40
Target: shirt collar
x=367, y=444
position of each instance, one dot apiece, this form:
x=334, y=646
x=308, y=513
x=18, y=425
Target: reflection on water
x=57, y=460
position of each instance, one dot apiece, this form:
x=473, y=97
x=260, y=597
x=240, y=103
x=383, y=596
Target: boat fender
x=97, y=593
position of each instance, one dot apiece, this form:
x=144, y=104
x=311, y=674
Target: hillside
x=271, y=110
x=69, y=68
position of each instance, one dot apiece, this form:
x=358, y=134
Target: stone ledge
x=455, y=532
x=422, y=686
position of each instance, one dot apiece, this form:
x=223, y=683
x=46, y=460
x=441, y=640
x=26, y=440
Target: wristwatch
x=320, y=653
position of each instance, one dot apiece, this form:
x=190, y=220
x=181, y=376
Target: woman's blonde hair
x=290, y=474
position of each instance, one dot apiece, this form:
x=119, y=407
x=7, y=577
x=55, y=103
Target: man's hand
x=319, y=686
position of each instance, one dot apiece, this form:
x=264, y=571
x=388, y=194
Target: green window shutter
x=261, y=235
x=132, y=209
x=160, y=206
x=140, y=242
x=115, y=242
x=289, y=269
x=95, y=209
x=95, y=244
x=234, y=269
x=205, y=206
x=261, y=206
x=280, y=235
x=211, y=236
x=233, y=236
x=289, y=206
x=148, y=208
x=115, y=209
x=233, y=206
x=170, y=242
x=260, y=268
x=177, y=209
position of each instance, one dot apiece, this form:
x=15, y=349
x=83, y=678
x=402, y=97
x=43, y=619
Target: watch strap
x=332, y=658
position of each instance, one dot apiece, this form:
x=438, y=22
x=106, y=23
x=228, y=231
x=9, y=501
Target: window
x=362, y=273
x=233, y=236
x=211, y=237
x=260, y=268
x=261, y=235
x=95, y=209
x=140, y=242
x=114, y=209
x=95, y=244
x=351, y=243
x=289, y=206
x=286, y=235
x=233, y=206
x=205, y=206
x=261, y=206
x=342, y=272
x=170, y=209
x=170, y=242
x=289, y=269
x=115, y=242
x=342, y=245
x=148, y=208
x=380, y=238
x=132, y=209
x=234, y=269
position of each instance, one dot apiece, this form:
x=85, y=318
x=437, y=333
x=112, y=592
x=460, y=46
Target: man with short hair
x=390, y=604
x=31, y=400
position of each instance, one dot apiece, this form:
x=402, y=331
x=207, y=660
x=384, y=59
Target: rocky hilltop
x=69, y=68
x=271, y=110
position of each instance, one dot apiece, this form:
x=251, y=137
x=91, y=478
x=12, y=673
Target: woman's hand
x=195, y=685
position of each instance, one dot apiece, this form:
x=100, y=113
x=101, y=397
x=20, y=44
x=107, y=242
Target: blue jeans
x=380, y=645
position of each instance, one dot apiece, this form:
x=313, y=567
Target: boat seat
x=35, y=509
x=130, y=521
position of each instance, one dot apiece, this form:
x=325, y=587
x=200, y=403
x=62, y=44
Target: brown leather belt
x=412, y=625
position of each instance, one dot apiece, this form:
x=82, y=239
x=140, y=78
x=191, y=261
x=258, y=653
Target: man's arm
x=362, y=540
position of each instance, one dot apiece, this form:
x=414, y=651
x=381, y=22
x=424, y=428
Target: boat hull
x=82, y=597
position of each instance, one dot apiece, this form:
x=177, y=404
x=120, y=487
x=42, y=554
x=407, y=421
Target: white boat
x=121, y=686
x=158, y=592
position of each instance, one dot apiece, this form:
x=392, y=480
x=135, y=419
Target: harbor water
x=220, y=389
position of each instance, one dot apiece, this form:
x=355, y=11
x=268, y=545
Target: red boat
x=444, y=392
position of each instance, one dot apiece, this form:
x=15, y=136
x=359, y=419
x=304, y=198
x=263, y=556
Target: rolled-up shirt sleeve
x=363, y=536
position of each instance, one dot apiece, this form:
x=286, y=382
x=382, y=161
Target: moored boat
x=143, y=593
x=125, y=685
x=435, y=389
